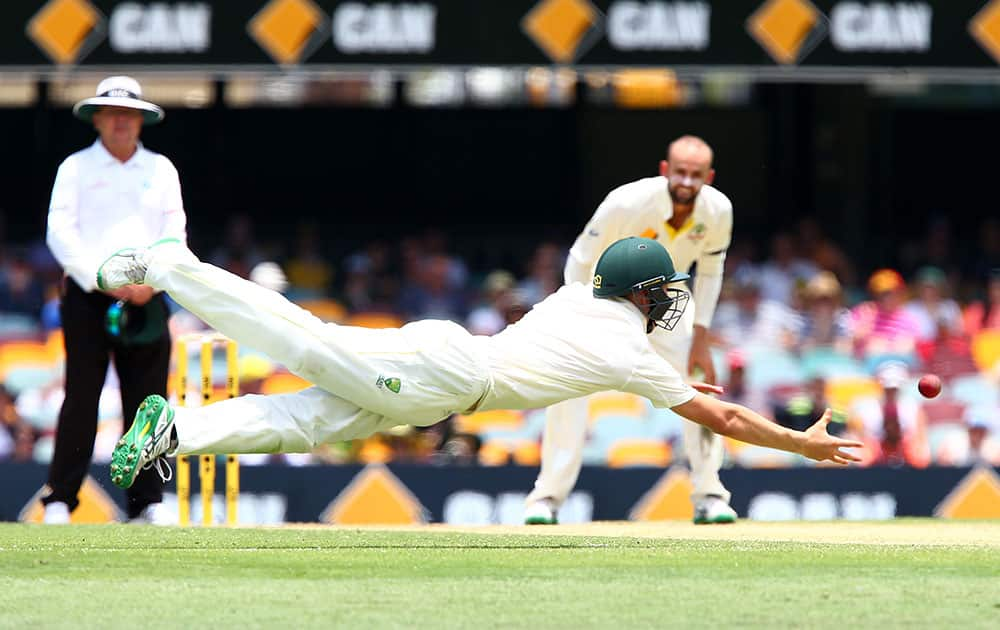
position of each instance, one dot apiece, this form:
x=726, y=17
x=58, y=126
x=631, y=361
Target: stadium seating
x=374, y=450
x=769, y=367
x=945, y=440
x=616, y=404
x=494, y=454
x=374, y=320
x=486, y=421
x=639, y=452
x=30, y=363
x=18, y=327
x=664, y=424
x=609, y=429
x=986, y=350
x=20, y=378
x=975, y=390
x=283, y=383
x=829, y=364
x=842, y=392
x=527, y=453
x=944, y=411
x=499, y=451
x=752, y=456
x=328, y=310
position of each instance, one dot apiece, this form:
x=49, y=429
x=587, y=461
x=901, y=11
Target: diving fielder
x=694, y=222
x=577, y=341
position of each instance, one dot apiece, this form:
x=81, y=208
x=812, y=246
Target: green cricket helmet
x=642, y=267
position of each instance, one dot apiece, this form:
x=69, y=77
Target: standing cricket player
x=694, y=222
x=578, y=341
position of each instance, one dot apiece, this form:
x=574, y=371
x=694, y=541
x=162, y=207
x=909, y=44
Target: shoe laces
x=159, y=462
x=162, y=467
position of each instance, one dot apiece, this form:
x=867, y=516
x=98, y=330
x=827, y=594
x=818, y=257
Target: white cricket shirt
x=100, y=205
x=572, y=344
x=642, y=208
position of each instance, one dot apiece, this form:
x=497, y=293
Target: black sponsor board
x=495, y=494
x=817, y=33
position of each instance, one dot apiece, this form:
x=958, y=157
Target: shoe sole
x=540, y=520
x=125, y=459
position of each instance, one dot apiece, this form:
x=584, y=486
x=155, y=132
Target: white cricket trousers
x=566, y=432
x=366, y=380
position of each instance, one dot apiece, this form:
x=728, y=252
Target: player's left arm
x=707, y=286
x=654, y=378
x=745, y=425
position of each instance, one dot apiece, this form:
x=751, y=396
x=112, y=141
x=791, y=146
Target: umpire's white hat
x=119, y=91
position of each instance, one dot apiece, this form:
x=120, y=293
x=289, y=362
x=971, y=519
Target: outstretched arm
x=742, y=424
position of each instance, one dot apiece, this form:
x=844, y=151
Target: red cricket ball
x=929, y=385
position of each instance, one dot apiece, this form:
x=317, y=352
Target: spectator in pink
x=882, y=326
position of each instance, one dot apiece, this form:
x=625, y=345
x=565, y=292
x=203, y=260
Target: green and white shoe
x=145, y=443
x=712, y=510
x=541, y=513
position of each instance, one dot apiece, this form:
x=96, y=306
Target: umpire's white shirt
x=100, y=205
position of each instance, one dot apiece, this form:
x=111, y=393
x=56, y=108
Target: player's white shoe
x=540, y=513
x=56, y=513
x=713, y=510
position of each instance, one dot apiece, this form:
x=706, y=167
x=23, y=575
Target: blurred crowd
x=798, y=328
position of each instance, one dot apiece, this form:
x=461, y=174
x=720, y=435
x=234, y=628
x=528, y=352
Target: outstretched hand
x=820, y=445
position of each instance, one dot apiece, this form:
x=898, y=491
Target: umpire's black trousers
x=142, y=370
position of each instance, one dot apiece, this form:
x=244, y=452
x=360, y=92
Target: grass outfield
x=908, y=574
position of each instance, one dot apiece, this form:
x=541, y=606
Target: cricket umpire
x=106, y=196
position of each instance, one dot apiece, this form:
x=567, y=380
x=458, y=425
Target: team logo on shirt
x=392, y=383
x=698, y=232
